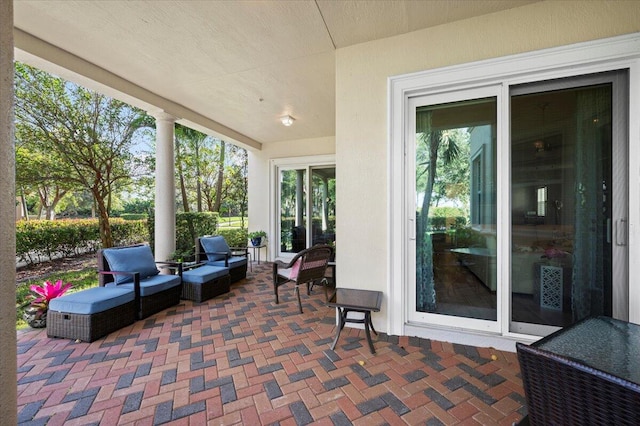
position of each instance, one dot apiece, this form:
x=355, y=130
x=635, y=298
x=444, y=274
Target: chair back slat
x=313, y=264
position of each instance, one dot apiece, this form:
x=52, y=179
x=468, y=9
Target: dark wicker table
x=347, y=300
x=588, y=373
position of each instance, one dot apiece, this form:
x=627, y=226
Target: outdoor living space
x=241, y=359
x=473, y=162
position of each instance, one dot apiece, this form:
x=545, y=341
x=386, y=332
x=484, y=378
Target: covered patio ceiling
x=228, y=68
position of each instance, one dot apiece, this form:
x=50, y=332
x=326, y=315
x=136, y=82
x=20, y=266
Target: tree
x=88, y=135
x=220, y=180
x=211, y=174
x=432, y=144
x=188, y=156
x=237, y=182
x=34, y=171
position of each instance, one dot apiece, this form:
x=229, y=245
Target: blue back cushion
x=214, y=247
x=131, y=259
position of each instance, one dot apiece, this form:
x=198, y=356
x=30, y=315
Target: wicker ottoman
x=91, y=314
x=205, y=282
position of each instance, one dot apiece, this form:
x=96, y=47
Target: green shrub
x=134, y=216
x=43, y=239
x=443, y=218
x=235, y=237
x=188, y=227
x=467, y=237
x=127, y=232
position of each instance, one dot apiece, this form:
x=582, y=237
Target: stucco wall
x=259, y=178
x=362, y=103
x=8, y=401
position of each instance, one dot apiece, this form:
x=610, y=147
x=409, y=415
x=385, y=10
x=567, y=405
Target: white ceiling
x=239, y=64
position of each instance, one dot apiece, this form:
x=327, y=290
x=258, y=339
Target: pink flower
x=554, y=253
x=46, y=292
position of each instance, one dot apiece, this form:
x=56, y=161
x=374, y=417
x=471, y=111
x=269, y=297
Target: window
x=541, y=197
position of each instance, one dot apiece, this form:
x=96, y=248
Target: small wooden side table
x=347, y=300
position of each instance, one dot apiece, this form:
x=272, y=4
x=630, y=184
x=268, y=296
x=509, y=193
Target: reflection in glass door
x=455, y=201
x=293, y=210
x=323, y=205
x=568, y=202
x=299, y=230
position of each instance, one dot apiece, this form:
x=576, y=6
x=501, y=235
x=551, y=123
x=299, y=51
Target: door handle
x=412, y=229
x=621, y=232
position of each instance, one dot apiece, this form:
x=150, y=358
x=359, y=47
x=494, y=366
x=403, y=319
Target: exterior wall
x=8, y=401
x=362, y=109
x=261, y=198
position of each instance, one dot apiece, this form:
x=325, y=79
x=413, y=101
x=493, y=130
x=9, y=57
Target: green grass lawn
x=79, y=280
x=232, y=222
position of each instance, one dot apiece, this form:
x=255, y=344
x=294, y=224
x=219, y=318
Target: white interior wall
x=362, y=109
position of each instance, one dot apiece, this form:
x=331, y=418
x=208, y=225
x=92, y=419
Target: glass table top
x=603, y=343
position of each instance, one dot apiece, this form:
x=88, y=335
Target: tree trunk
x=183, y=189
x=25, y=210
x=431, y=178
x=103, y=224
x=198, y=179
x=426, y=297
x=218, y=202
x=49, y=207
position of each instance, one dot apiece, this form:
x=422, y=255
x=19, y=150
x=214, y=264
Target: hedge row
x=38, y=240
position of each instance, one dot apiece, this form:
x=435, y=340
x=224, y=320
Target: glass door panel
x=455, y=219
x=293, y=210
x=323, y=205
x=564, y=141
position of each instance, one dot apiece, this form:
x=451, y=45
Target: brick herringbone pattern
x=241, y=359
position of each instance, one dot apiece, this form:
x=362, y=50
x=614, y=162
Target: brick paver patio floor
x=241, y=359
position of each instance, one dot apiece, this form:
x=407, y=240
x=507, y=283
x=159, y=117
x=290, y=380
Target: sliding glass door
x=564, y=254
x=454, y=157
x=306, y=194
x=569, y=202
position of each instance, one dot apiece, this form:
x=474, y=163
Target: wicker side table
x=587, y=373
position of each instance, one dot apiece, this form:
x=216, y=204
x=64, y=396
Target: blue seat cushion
x=155, y=284
x=215, y=248
x=204, y=274
x=92, y=300
x=234, y=262
x=131, y=259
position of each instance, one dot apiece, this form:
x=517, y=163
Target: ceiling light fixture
x=287, y=120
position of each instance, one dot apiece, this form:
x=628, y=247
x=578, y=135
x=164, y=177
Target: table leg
x=371, y=324
x=367, y=321
x=341, y=321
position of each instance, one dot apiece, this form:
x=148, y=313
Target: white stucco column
x=8, y=384
x=165, y=210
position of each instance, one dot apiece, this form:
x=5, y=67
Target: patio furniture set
x=133, y=286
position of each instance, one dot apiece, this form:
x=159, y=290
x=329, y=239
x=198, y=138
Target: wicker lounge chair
x=134, y=267
x=214, y=251
x=306, y=267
